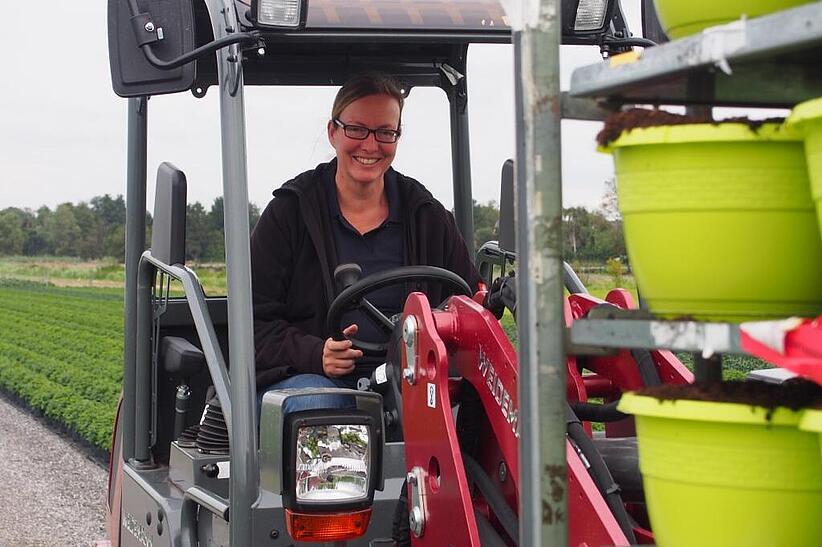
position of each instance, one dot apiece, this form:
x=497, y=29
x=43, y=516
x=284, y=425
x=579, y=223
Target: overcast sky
x=63, y=131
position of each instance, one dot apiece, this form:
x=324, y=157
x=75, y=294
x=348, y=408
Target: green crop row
x=90, y=419
x=61, y=352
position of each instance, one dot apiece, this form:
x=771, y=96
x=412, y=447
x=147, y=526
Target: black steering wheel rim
x=353, y=296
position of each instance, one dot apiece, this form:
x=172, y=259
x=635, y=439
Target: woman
x=357, y=209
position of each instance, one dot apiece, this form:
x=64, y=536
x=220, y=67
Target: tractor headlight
x=332, y=463
x=328, y=473
x=326, y=464
x=278, y=13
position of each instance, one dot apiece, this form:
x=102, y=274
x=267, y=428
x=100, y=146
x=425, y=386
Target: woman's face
x=365, y=161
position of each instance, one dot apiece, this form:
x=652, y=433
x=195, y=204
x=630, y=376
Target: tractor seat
x=621, y=457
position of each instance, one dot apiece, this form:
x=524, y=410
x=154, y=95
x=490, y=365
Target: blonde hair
x=365, y=85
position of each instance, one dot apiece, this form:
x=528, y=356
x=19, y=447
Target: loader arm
x=461, y=355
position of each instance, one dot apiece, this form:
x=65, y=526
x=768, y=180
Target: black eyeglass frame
x=394, y=133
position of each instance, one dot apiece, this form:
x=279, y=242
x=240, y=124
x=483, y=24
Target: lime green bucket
x=719, y=221
x=806, y=119
x=685, y=17
x=812, y=421
x=723, y=474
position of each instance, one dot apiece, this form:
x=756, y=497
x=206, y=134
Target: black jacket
x=293, y=257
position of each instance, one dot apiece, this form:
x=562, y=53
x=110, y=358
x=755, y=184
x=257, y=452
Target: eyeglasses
x=361, y=133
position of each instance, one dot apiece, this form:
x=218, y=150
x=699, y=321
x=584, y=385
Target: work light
x=327, y=473
x=332, y=463
x=278, y=13
x=590, y=15
x=326, y=463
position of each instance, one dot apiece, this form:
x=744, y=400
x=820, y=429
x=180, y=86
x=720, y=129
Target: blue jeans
x=311, y=402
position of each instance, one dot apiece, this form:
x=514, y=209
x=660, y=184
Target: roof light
x=590, y=15
x=278, y=13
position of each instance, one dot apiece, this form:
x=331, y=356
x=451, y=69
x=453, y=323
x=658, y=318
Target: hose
x=493, y=496
x=488, y=535
x=600, y=474
x=591, y=412
x=647, y=368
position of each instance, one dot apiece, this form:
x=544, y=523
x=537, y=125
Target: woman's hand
x=339, y=356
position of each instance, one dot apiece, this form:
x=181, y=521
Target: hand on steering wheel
x=354, y=298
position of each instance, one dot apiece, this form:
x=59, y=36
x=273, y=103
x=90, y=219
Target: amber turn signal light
x=327, y=526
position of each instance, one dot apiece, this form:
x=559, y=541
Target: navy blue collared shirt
x=380, y=249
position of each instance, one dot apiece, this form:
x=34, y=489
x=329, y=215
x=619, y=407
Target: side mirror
x=507, y=232
x=170, y=32
x=168, y=234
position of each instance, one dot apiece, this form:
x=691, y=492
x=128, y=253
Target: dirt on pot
x=642, y=117
x=795, y=394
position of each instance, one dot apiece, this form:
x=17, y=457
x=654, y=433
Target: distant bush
x=615, y=268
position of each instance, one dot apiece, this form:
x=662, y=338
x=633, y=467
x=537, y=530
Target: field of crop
x=61, y=351
x=61, y=344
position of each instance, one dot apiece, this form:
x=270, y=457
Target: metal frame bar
x=143, y=366
x=204, y=326
x=135, y=244
x=691, y=336
x=543, y=471
x=245, y=477
x=461, y=154
x=734, y=46
x=342, y=36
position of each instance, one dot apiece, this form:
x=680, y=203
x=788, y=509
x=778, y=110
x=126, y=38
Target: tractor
x=432, y=452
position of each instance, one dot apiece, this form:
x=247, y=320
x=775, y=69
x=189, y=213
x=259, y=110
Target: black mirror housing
x=167, y=26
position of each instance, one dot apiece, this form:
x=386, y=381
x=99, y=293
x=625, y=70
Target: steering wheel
x=353, y=298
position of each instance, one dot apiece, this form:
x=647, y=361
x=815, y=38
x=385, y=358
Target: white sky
x=62, y=129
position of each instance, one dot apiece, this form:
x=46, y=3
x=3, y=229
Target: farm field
x=61, y=339
x=61, y=351
x=74, y=272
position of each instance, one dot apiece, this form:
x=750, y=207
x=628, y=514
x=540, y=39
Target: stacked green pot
x=806, y=119
x=681, y=18
x=719, y=222
x=728, y=474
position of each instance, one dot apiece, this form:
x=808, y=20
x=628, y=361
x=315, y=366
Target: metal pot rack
x=774, y=61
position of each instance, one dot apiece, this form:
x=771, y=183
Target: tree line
x=96, y=229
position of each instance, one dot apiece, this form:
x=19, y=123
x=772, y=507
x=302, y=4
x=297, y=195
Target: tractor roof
x=411, y=39
x=477, y=18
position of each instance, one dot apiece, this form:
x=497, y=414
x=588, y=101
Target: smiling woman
x=354, y=209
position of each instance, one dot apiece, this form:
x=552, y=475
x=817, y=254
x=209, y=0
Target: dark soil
x=643, y=117
x=794, y=394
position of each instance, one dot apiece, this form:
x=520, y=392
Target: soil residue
x=795, y=394
x=642, y=117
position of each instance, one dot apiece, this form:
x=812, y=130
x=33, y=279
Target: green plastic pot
x=685, y=17
x=812, y=421
x=719, y=222
x=724, y=474
x=806, y=119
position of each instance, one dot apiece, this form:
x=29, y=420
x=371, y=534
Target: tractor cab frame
x=190, y=360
